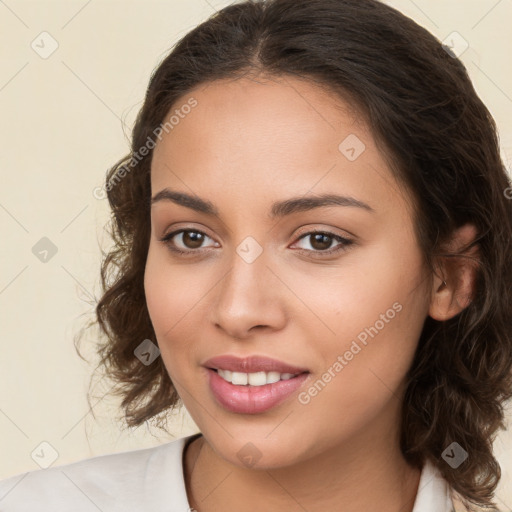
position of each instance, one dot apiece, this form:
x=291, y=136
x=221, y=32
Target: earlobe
x=454, y=289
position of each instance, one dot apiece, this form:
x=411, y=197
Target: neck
x=368, y=473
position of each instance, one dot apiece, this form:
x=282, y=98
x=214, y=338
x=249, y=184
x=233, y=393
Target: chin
x=255, y=450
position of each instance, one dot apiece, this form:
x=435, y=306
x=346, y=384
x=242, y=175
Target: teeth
x=253, y=379
x=240, y=379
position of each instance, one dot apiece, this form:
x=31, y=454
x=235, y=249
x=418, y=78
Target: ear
x=454, y=285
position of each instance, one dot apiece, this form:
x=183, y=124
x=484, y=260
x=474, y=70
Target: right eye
x=189, y=239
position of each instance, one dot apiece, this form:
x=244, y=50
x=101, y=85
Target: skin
x=245, y=145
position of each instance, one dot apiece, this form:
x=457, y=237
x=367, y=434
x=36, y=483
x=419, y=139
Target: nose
x=250, y=298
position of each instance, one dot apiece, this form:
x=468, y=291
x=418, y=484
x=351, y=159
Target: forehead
x=262, y=119
x=262, y=136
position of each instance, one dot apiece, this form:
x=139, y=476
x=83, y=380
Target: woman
x=313, y=255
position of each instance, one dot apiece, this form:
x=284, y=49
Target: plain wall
x=64, y=121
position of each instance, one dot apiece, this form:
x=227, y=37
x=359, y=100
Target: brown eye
x=321, y=243
x=185, y=241
x=192, y=239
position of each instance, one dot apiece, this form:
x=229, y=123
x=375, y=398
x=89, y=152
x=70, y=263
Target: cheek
x=173, y=297
x=363, y=373
x=370, y=292
x=377, y=317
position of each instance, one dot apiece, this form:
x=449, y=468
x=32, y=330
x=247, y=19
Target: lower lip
x=252, y=399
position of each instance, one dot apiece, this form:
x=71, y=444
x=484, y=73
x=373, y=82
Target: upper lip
x=251, y=364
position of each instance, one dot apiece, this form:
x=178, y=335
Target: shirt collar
x=433, y=491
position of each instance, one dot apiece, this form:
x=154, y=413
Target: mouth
x=253, y=384
x=253, y=392
x=255, y=378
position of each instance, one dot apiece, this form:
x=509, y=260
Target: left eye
x=321, y=242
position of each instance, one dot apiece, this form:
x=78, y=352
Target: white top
x=149, y=479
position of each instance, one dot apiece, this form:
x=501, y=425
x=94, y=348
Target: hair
x=441, y=142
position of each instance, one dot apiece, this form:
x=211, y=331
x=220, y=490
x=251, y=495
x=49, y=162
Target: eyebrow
x=279, y=208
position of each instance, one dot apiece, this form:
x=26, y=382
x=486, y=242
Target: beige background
x=64, y=120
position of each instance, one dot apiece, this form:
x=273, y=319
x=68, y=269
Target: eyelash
x=344, y=243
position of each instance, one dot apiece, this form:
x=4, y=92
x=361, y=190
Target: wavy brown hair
x=441, y=142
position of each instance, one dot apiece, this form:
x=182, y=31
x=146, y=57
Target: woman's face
x=256, y=281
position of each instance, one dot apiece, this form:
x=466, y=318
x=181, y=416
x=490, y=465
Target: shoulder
x=144, y=479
